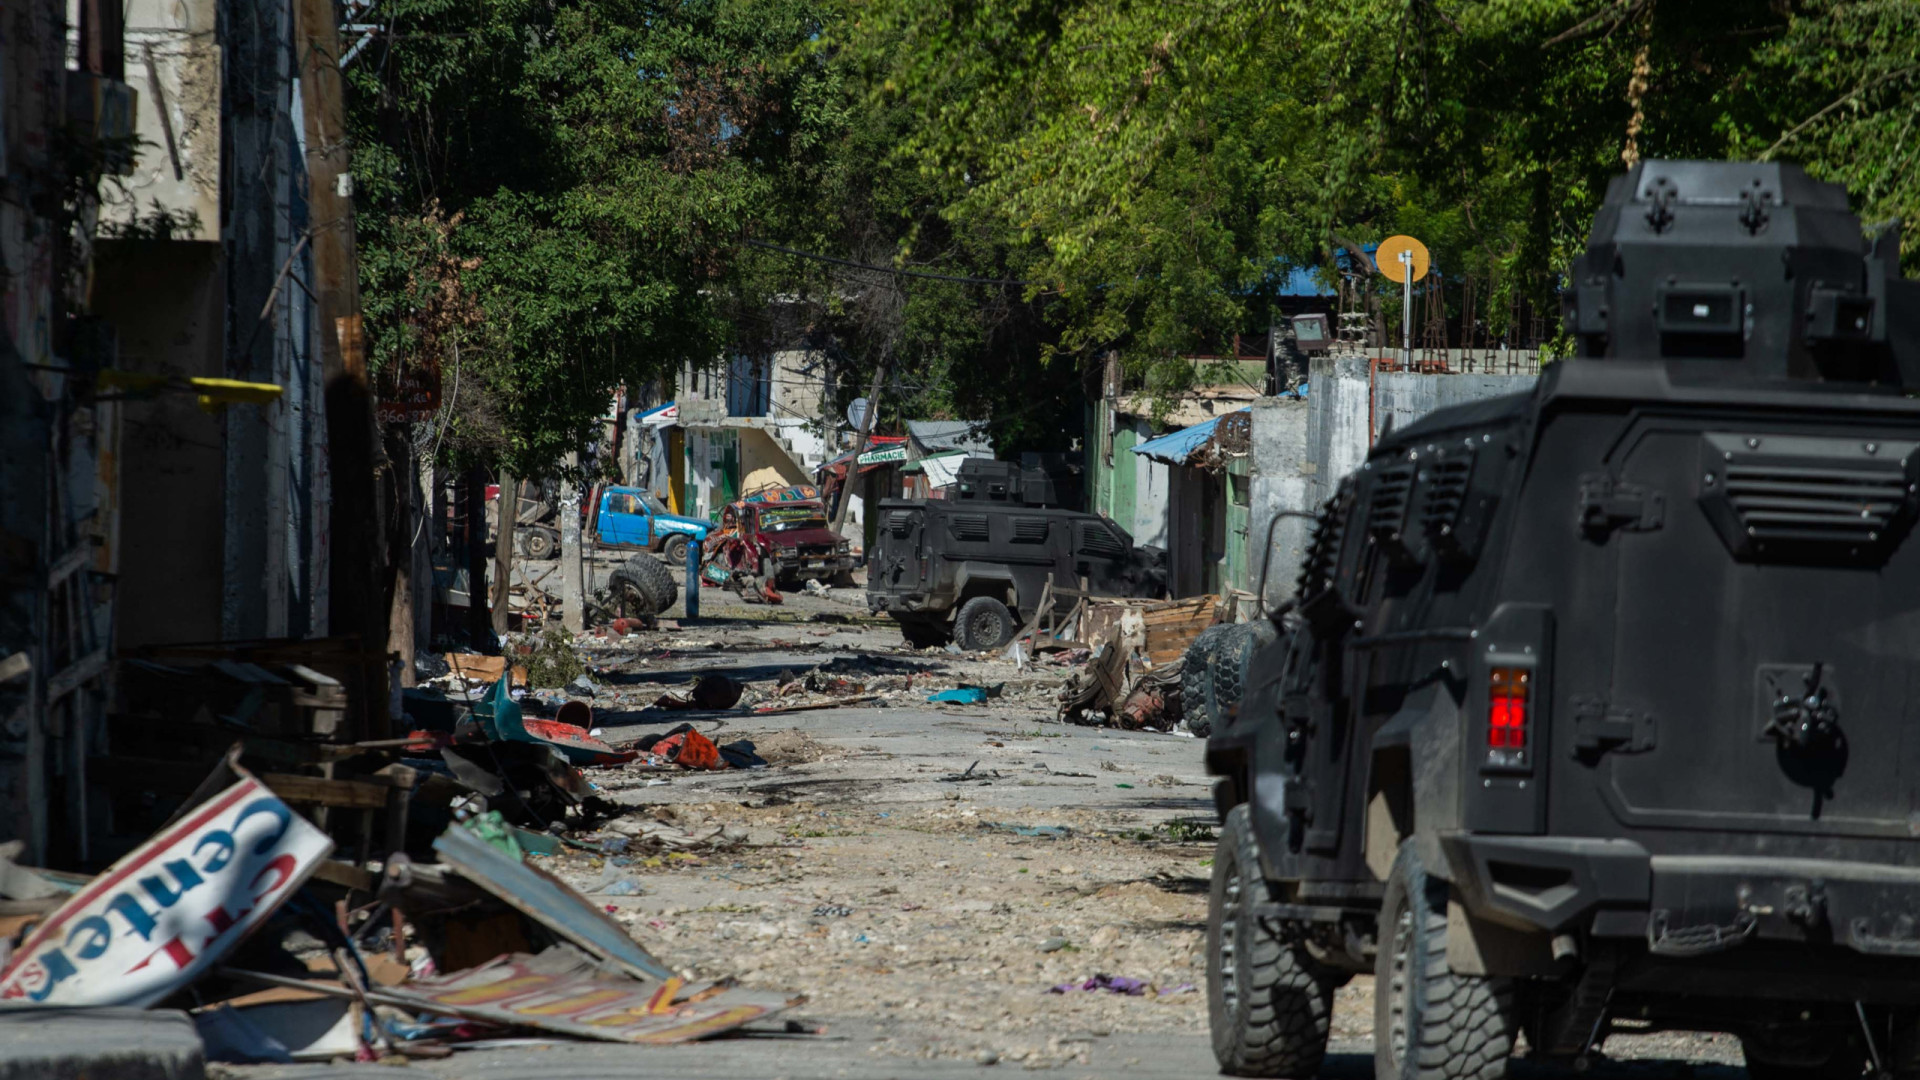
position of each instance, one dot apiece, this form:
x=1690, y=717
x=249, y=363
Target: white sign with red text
x=157, y=919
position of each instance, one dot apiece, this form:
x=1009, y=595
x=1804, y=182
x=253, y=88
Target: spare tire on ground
x=642, y=586
x=1196, y=679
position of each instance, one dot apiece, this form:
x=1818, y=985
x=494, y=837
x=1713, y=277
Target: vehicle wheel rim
x=985, y=628
x=629, y=601
x=1400, y=993
x=1229, y=932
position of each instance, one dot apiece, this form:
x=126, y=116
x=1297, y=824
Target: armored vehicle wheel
x=675, y=550
x=1268, y=1003
x=541, y=544
x=983, y=623
x=641, y=586
x=1430, y=1023
x=923, y=633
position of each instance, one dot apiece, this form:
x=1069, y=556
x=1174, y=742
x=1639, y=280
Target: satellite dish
x=1390, y=264
x=857, y=413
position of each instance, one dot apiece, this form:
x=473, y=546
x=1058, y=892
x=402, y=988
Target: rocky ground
x=925, y=875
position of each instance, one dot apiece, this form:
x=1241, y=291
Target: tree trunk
x=503, y=550
x=479, y=623
x=407, y=518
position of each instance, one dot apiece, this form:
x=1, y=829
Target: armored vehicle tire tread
x=1451, y=1026
x=1274, y=1018
x=1196, y=680
x=675, y=550
x=642, y=582
x=983, y=623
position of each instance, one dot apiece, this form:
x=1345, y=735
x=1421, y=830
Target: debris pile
x=1133, y=677
x=314, y=958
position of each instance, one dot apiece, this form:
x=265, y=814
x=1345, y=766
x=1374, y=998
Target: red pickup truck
x=784, y=542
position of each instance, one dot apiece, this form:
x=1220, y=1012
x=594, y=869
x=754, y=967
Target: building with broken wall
x=142, y=509
x=1231, y=496
x=744, y=424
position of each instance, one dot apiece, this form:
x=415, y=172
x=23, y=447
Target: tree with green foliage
x=552, y=195
x=1164, y=157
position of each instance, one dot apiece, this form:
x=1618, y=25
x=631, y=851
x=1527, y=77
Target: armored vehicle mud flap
x=1685, y=905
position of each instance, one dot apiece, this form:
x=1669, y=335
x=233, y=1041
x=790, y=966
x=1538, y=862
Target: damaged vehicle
x=973, y=568
x=793, y=541
x=1592, y=713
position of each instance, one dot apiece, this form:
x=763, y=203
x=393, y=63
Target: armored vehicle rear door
x=1765, y=624
x=899, y=563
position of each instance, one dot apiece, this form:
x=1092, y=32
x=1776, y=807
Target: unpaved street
x=924, y=875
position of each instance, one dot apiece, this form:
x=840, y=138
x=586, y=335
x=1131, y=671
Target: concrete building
x=746, y=424
x=1213, y=493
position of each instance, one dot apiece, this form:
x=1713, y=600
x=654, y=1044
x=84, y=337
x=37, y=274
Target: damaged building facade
x=181, y=387
x=1225, y=476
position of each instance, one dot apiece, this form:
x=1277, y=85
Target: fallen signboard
x=563, y=990
x=160, y=917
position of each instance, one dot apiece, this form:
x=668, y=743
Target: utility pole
x=479, y=623
x=1406, y=309
x=573, y=598
x=866, y=429
x=503, y=551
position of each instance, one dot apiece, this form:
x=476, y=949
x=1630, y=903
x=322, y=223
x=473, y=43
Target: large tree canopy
x=553, y=193
x=557, y=196
x=1164, y=155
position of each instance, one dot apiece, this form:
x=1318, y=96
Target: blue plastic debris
x=966, y=695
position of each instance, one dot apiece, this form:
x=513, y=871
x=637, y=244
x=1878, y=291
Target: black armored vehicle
x=974, y=567
x=1597, y=709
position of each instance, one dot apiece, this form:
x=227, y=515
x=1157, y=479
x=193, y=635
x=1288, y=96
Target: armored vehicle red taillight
x=1507, y=716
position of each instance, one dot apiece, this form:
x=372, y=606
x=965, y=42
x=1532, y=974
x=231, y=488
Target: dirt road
x=926, y=875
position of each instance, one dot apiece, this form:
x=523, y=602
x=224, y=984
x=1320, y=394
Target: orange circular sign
x=1391, y=262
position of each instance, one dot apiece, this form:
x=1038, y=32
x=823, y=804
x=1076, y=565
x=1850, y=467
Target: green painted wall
x=1239, y=487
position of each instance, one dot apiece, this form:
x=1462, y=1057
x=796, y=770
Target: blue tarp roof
x=1175, y=447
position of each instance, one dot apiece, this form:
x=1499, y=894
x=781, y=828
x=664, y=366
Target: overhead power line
x=817, y=257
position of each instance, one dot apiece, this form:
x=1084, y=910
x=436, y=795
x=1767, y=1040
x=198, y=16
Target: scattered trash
x=652, y=837
x=1051, y=832
x=543, y=898
x=712, y=692
x=832, y=911
x=224, y=864
x=685, y=747
x=483, y=670
x=968, y=696
x=814, y=588
x=501, y=719
x=954, y=778
x=563, y=990
x=1113, y=984
x=840, y=703
x=263, y=1028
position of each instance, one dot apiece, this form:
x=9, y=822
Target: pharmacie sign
x=158, y=918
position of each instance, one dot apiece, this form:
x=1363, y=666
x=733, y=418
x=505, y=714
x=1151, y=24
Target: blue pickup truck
x=634, y=518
